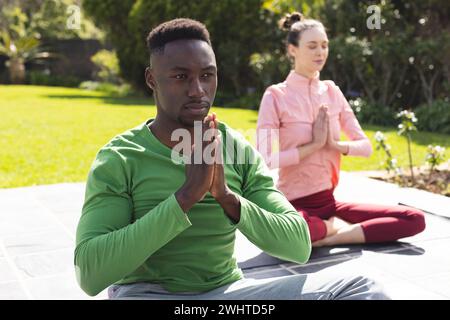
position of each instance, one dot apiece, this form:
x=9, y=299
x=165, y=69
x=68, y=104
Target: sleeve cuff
x=286, y=158
x=243, y=213
x=178, y=213
x=351, y=149
x=360, y=148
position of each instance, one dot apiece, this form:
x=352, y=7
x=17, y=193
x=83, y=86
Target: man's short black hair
x=177, y=29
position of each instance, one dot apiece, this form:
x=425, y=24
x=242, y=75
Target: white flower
x=379, y=136
x=439, y=149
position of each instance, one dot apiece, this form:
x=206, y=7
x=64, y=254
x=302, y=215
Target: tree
x=18, y=44
x=405, y=62
x=49, y=18
x=238, y=29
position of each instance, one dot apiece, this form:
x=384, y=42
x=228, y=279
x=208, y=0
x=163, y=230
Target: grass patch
x=52, y=134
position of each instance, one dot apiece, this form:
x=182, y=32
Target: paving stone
x=12, y=291
x=329, y=271
x=430, y=202
x=405, y=290
x=353, y=187
x=406, y=263
x=435, y=251
x=332, y=253
x=244, y=249
x=61, y=198
x=438, y=283
x=263, y=259
x=6, y=272
x=37, y=228
x=360, y=266
x=248, y=255
x=51, y=239
x=22, y=224
x=70, y=221
x=45, y=264
x=316, y=266
x=22, y=215
x=63, y=286
x=436, y=228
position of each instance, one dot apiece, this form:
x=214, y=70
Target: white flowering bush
x=434, y=157
x=390, y=163
x=406, y=126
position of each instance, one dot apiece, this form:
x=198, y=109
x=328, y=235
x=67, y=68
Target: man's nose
x=195, y=88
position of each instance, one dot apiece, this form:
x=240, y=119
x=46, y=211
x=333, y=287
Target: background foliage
x=402, y=65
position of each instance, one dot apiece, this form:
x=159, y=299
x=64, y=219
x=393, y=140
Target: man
x=156, y=228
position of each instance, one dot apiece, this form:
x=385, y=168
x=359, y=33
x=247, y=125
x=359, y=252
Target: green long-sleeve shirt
x=132, y=228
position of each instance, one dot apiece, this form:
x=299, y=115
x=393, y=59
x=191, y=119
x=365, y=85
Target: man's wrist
x=185, y=200
x=231, y=204
x=226, y=194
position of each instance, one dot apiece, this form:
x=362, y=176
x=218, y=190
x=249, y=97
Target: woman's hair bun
x=289, y=19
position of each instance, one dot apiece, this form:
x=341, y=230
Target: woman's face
x=312, y=51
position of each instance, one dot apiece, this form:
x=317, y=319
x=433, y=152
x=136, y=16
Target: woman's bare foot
x=334, y=224
x=320, y=243
x=350, y=234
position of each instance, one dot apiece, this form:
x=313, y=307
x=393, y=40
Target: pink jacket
x=286, y=115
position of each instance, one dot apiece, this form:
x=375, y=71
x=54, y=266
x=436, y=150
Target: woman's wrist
x=307, y=149
x=343, y=147
x=314, y=145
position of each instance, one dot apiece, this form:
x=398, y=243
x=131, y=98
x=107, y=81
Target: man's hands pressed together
x=199, y=173
x=205, y=173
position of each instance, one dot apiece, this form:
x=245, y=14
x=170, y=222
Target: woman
x=306, y=115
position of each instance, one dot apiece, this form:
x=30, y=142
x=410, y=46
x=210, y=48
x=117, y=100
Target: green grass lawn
x=52, y=134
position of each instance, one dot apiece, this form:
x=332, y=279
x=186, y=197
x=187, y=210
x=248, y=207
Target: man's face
x=184, y=81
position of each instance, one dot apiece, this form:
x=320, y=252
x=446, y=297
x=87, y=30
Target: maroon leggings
x=379, y=223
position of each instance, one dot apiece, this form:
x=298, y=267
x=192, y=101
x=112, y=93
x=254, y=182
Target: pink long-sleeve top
x=286, y=115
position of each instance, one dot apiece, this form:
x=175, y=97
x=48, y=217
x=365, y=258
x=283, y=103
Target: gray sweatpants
x=317, y=286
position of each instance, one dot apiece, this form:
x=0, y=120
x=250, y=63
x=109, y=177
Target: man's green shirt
x=132, y=228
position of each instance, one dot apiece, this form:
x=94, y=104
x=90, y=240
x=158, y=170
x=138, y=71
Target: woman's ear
x=291, y=49
x=149, y=79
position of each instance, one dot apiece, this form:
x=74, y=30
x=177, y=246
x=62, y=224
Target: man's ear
x=149, y=79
